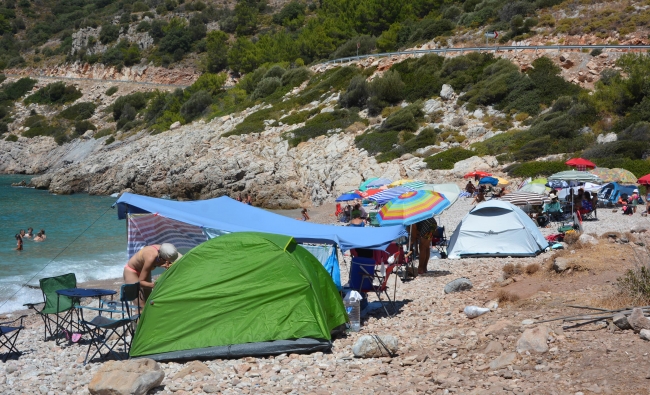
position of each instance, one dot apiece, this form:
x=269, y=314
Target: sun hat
x=636, y=190
x=168, y=252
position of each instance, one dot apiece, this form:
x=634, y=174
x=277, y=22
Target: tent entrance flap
x=234, y=351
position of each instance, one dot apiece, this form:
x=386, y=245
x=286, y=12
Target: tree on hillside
x=216, y=58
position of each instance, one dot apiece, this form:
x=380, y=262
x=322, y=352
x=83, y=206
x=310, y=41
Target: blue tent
x=228, y=215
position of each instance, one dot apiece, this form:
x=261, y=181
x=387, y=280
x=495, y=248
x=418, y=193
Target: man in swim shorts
x=142, y=263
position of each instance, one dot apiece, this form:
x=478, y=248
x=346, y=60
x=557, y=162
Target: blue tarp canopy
x=229, y=215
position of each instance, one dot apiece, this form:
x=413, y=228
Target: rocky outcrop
x=196, y=162
x=140, y=73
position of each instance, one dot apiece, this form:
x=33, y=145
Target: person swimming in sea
x=30, y=233
x=142, y=263
x=39, y=237
x=19, y=242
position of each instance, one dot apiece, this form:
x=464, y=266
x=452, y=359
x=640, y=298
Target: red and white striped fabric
x=148, y=229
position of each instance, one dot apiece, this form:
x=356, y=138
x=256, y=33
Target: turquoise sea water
x=84, y=237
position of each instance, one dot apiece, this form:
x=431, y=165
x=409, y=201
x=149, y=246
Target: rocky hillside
x=293, y=135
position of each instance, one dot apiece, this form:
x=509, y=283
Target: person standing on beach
x=19, y=242
x=142, y=263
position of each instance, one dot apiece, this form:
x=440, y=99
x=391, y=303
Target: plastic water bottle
x=354, y=313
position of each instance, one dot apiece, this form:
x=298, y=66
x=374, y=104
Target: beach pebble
x=132, y=377
x=375, y=346
x=458, y=285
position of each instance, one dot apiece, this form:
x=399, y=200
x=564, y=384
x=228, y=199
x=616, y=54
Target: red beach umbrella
x=369, y=192
x=581, y=163
x=479, y=174
x=645, y=180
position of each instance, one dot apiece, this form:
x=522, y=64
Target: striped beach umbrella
x=380, y=182
x=412, y=207
x=524, y=198
x=414, y=185
x=364, y=185
x=388, y=194
x=399, y=183
x=574, y=175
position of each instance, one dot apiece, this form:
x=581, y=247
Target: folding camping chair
x=9, y=335
x=439, y=241
x=375, y=279
x=55, y=305
x=102, y=328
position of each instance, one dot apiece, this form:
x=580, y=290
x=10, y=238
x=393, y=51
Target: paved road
x=447, y=51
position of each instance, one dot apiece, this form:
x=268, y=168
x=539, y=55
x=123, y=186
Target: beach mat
x=260, y=349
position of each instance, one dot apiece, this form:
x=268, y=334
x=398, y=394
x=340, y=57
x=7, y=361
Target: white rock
x=606, y=138
x=447, y=92
x=175, y=125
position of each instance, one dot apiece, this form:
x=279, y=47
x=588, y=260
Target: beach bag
x=627, y=210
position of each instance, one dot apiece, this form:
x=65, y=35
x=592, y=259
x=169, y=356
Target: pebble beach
x=440, y=350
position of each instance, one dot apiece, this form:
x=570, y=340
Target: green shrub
x=12, y=138
x=595, y=52
x=140, y=6
x=536, y=169
x=421, y=76
x=137, y=101
x=15, y=90
x=109, y=140
x=324, y=123
x=81, y=127
x=54, y=93
x=635, y=284
x=39, y=126
x=79, y=111
x=408, y=142
x=357, y=93
x=102, y=133
x=295, y=77
x=376, y=142
x=2, y=78
x=109, y=33
x=362, y=45
x=110, y=91
x=249, y=81
x=275, y=71
x=253, y=123
x=404, y=119
x=209, y=82
x=388, y=88
x=3, y=127
x=195, y=105
x=266, y=87
x=447, y=159
x=298, y=117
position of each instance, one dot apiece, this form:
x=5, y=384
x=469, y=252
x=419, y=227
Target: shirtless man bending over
x=140, y=266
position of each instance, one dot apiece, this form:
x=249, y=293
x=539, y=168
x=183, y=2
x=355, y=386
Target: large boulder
x=606, y=138
x=375, y=346
x=447, y=92
x=561, y=264
x=132, y=377
x=533, y=340
x=638, y=321
x=474, y=163
x=620, y=320
x=431, y=105
x=458, y=285
x=587, y=239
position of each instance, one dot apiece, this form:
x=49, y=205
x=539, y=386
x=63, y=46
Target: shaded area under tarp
x=261, y=349
x=229, y=215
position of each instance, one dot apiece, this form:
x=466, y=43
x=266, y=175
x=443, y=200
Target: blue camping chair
x=101, y=328
x=9, y=334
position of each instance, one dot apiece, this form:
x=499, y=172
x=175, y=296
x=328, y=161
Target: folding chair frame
x=52, y=325
x=440, y=241
x=9, y=341
x=382, y=287
x=101, y=328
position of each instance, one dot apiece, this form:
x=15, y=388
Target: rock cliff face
x=194, y=162
x=144, y=73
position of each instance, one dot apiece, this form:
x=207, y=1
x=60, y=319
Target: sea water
x=83, y=233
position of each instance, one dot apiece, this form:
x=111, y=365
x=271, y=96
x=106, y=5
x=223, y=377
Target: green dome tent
x=241, y=294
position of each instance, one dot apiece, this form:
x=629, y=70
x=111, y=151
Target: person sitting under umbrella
x=356, y=220
x=470, y=188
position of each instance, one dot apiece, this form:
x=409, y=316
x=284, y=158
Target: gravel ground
x=441, y=351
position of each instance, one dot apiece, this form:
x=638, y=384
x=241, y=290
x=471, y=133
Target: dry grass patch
x=532, y=268
x=510, y=270
x=504, y=296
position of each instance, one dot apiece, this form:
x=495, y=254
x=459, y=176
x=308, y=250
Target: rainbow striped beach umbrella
x=411, y=207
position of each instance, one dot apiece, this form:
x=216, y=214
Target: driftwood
x=603, y=314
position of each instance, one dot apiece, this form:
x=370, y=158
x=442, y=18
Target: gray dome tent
x=496, y=228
